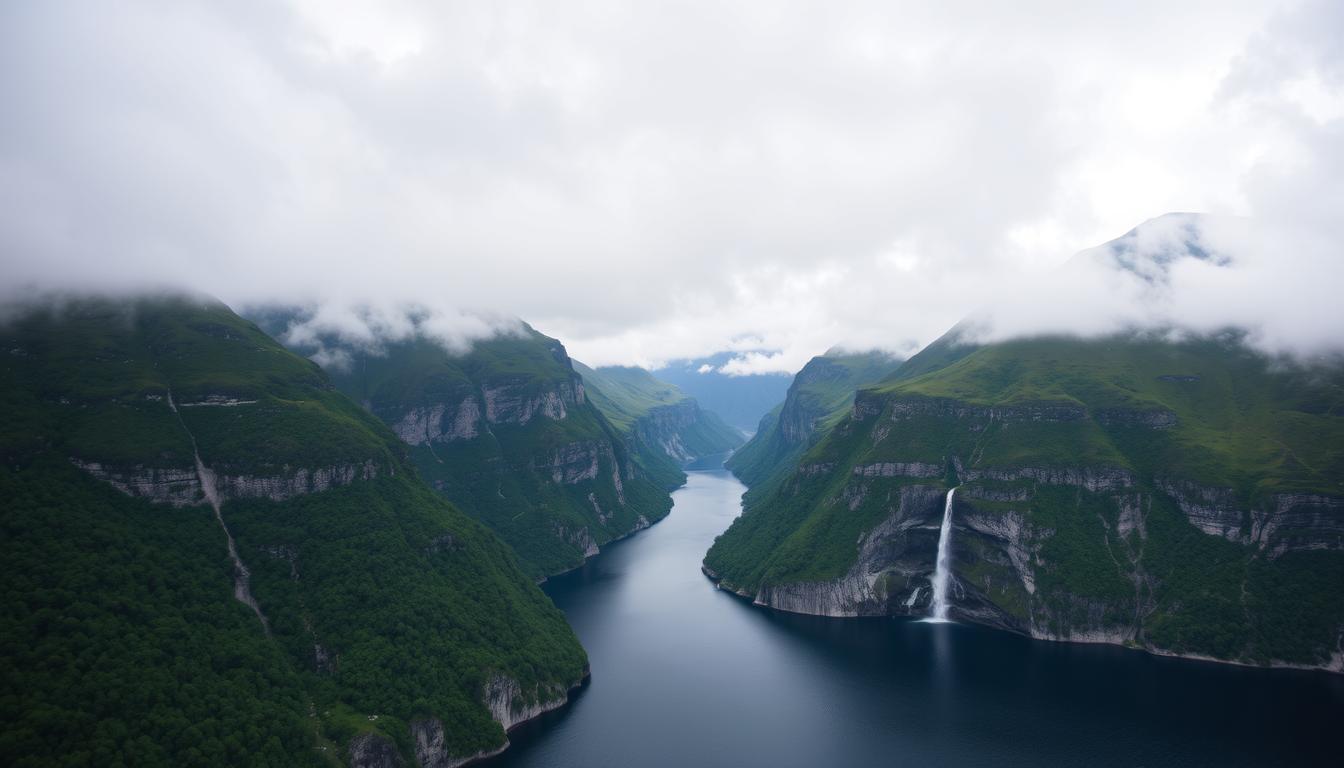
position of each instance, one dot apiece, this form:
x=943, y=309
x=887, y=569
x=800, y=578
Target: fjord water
x=684, y=674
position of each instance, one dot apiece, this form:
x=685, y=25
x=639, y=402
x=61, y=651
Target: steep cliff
x=1184, y=497
x=507, y=431
x=664, y=427
x=819, y=396
x=739, y=400
x=234, y=562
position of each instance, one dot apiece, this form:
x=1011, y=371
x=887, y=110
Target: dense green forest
x=818, y=397
x=124, y=643
x=507, y=433
x=1183, y=495
x=663, y=426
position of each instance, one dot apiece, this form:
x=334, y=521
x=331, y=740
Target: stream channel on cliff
x=685, y=674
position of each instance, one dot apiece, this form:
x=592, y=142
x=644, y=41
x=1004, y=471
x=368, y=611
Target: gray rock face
x=1092, y=478
x=1010, y=531
x=164, y=485
x=799, y=418
x=580, y=538
x=182, y=487
x=439, y=423
x=1004, y=568
x=298, y=483
x=662, y=426
x=866, y=405
x=575, y=462
x=430, y=751
x=516, y=404
x=217, y=401
x=508, y=706
x=469, y=412
x=1211, y=510
x=1282, y=523
x=893, y=570
x=814, y=470
x=371, y=750
x=909, y=408
x=898, y=469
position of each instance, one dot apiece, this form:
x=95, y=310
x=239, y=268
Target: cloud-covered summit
x=661, y=182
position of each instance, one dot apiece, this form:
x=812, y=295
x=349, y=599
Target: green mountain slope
x=370, y=619
x=664, y=427
x=819, y=396
x=1184, y=497
x=506, y=431
x=740, y=401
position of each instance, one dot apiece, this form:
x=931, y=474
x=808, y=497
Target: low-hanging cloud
x=662, y=182
x=1182, y=274
x=331, y=332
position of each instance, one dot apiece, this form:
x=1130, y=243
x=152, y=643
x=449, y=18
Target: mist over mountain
x=403, y=159
x=1023, y=316
x=740, y=399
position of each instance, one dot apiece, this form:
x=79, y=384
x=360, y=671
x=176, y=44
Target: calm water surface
x=688, y=675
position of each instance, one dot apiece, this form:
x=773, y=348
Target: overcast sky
x=657, y=180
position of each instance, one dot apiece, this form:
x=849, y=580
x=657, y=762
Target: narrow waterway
x=687, y=675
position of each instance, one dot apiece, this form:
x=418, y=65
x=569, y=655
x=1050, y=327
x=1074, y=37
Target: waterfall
x=242, y=577
x=942, y=575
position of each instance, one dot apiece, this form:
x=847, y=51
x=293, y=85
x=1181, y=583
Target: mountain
x=740, y=401
x=506, y=431
x=1183, y=496
x=213, y=557
x=664, y=428
x=819, y=396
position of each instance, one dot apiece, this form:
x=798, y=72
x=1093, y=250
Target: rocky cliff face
x=509, y=705
x=513, y=404
x=818, y=396
x=508, y=432
x=370, y=750
x=891, y=574
x=664, y=426
x=317, y=515
x=1073, y=521
x=182, y=487
x=467, y=417
x=442, y=422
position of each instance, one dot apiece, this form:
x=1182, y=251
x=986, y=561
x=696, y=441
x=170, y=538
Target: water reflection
x=684, y=674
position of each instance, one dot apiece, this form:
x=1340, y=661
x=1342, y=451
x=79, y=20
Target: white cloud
x=332, y=330
x=660, y=181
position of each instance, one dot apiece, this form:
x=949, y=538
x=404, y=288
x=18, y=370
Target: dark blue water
x=687, y=675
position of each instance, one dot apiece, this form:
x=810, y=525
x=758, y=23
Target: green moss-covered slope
x=664, y=427
x=1183, y=496
x=507, y=431
x=819, y=396
x=388, y=609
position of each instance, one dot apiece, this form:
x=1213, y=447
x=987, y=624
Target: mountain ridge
x=381, y=611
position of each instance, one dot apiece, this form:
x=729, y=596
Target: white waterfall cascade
x=942, y=571
x=242, y=577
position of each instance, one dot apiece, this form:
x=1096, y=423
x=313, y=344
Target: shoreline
x=1336, y=667
x=484, y=758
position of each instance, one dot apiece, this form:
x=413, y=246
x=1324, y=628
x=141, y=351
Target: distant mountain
x=664, y=427
x=507, y=432
x=346, y=614
x=1186, y=497
x=819, y=396
x=740, y=401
